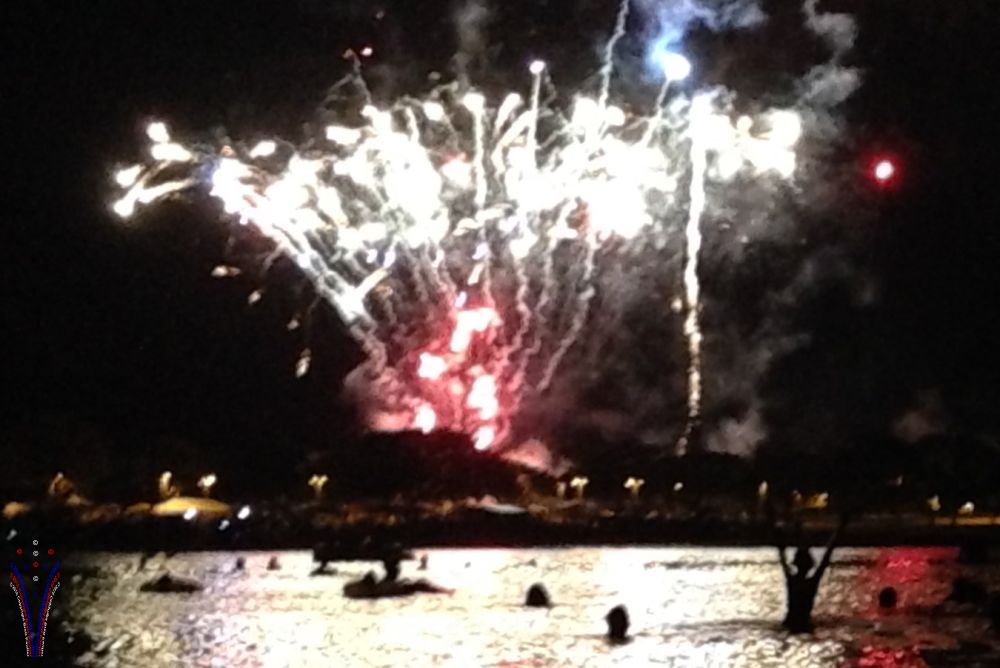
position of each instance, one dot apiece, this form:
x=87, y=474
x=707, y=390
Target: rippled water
x=694, y=607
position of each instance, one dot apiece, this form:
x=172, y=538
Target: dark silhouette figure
x=537, y=597
x=241, y=564
x=617, y=620
x=273, y=564
x=423, y=562
x=887, y=598
x=391, y=565
x=801, y=585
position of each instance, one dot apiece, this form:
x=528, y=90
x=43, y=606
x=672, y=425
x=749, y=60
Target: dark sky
x=123, y=328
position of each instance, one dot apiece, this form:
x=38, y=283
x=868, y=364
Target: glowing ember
x=431, y=367
x=484, y=438
x=469, y=322
x=483, y=397
x=884, y=171
x=425, y=419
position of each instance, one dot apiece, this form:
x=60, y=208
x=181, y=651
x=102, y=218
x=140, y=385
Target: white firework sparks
x=461, y=238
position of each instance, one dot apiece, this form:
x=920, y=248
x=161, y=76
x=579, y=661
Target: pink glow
x=431, y=367
x=474, y=320
x=483, y=397
x=484, y=437
x=425, y=419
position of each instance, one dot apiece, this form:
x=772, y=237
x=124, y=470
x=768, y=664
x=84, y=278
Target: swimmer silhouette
x=887, y=598
x=618, y=623
x=801, y=585
x=537, y=597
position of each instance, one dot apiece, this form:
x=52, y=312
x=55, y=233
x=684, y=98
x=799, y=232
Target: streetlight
x=579, y=483
x=633, y=485
x=168, y=489
x=206, y=484
x=318, y=482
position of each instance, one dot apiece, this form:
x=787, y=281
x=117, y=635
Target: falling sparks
x=425, y=419
x=225, y=271
x=484, y=437
x=263, y=149
x=304, y=363
x=432, y=367
x=463, y=240
x=483, y=397
x=470, y=322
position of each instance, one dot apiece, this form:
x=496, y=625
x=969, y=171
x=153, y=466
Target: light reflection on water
x=694, y=607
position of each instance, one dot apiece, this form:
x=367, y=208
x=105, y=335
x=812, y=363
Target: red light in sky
x=885, y=170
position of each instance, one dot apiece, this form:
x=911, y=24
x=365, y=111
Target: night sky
x=116, y=339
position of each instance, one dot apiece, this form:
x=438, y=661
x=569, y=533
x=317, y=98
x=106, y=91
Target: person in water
x=391, y=565
x=802, y=581
x=618, y=624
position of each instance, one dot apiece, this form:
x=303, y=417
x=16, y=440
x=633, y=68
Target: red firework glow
x=475, y=405
x=483, y=397
x=484, y=438
x=883, y=170
x=425, y=419
x=473, y=320
x=431, y=367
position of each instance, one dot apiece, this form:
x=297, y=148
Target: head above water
x=887, y=598
x=617, y=620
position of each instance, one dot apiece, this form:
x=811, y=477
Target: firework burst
x=465, y=241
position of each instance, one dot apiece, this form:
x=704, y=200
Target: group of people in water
x=391, y=585
x=803, y=576
x=802, y=579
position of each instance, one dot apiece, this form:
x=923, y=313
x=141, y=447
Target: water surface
x=698, y=607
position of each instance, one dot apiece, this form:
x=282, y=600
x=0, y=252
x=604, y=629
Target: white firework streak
x=441, y=249
x=608, y=64
x=700, y=109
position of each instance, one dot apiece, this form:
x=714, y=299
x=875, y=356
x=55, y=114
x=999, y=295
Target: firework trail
x=700, y=110
x=467, y=245
x=608, y=64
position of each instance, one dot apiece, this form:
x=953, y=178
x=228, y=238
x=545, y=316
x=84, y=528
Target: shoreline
x=485, y=530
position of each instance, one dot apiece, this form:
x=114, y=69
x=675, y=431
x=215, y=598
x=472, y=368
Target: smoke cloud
x=926, y=417
x=471, y=21
x=676, y=17
x=830, y=84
